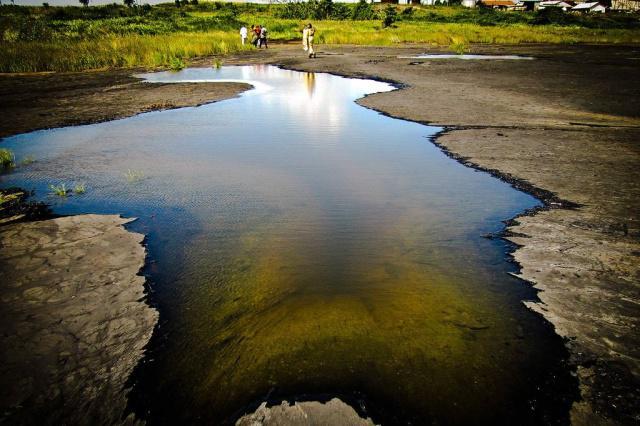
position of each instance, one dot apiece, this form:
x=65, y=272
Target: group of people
x=259, y=37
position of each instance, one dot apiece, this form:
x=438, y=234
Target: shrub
x=390, y=16
x=363, y=12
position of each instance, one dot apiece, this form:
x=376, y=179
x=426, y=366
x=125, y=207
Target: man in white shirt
x=243, y=34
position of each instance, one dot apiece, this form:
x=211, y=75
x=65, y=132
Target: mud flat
x=564, y=127
x=73, y=320
x=333, y=412
x=45, y=100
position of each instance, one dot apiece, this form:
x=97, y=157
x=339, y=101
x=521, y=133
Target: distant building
x=564, y=5
x=499, y=4
x=593, y=7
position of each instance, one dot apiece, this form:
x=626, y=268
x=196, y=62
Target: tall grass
x=75, y=39
x=115, y=51
x=363, y=33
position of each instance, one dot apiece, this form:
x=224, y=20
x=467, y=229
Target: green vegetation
x=5, y=198
x=134, y=175
x=459, y=47
x=80, y=188
x=59, y=190
x=78, y=38
x=176, y=64
x=7, y=159
x=390, y=16
x=217, y=63
x=27, y=160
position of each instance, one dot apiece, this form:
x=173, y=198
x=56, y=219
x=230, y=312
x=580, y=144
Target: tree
x=85, y=3
x=129, y=3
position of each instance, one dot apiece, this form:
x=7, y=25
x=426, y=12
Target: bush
x=363, y=12
x=390, y=16
x=313, y=9
x=407, y=12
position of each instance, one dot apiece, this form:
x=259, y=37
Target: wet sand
x=45, y=100
x=564, y=127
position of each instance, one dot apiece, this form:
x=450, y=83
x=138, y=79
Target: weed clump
x=59, y=190
x=80, y=188
x=176, y=64
x=134, y=175
x=7, y=159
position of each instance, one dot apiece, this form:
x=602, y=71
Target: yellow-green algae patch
x=290, y=313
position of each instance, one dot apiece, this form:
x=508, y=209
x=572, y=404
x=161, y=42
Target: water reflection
x=306, y=245
x=310, y=79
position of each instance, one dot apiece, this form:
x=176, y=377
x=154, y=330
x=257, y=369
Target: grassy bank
x=75, y=38
x=169, y=50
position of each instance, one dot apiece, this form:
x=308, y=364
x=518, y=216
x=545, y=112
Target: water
x=305, y=247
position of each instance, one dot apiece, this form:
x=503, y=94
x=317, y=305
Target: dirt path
x=565, y=126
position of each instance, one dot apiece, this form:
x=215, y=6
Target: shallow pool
x=304, y=247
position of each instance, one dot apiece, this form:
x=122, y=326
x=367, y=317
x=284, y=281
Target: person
x=256, y=35
x=243, y=34
x=253, y=35
x=263, y=37
x=305, y=38
x=311, y=31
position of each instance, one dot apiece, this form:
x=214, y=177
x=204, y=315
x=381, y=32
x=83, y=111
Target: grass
x=59, y=190
x=5, y=198
x=459, y=47
x=74, y=39
x=29, y=159
x=7, y=159
x=80, y=188
x=114, y=52
x=176, y=64
x=217, y=63
x=134, y=175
